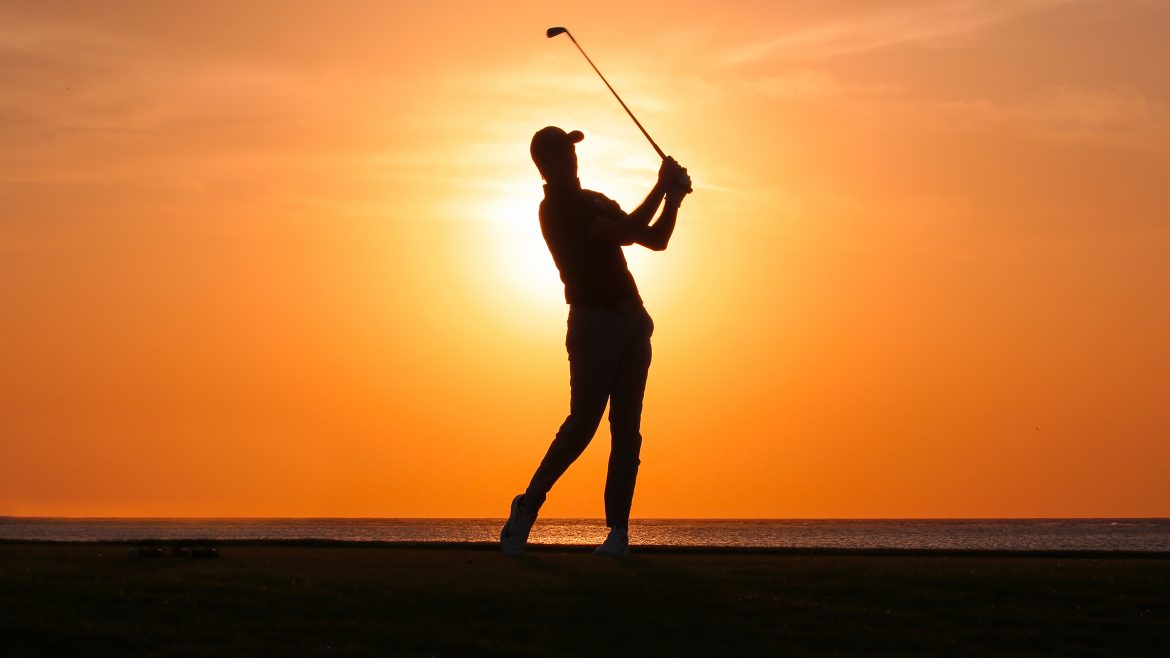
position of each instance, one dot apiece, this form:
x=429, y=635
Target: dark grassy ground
x=264, y=600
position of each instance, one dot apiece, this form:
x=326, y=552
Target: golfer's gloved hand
x=676, y=180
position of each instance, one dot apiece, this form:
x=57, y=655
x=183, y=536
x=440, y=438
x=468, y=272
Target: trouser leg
x=575, y=434
x=625, y=420
x=591, y=364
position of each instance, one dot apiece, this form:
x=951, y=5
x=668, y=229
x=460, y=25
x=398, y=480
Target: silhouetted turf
x=263, y=600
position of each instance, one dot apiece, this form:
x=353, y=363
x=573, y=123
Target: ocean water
x=980, y=534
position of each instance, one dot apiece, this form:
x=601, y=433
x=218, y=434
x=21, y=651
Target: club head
x=554, y=31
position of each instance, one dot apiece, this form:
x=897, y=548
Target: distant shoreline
x=656, y=519
x=884, y=537
x=646, y=549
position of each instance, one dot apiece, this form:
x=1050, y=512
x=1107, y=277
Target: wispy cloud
x=931, y=23
x=805, y=84
x=1117, y=117
x=85, y=104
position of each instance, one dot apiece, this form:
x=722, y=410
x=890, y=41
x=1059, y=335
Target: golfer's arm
x=657, y=236
x=634, y=228
x=610, y=231
x=645, y=212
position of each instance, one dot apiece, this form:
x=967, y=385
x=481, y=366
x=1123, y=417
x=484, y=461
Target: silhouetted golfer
x=609, y=330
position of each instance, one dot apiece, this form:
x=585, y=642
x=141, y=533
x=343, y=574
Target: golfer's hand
x=669, y=172
x=679, y=183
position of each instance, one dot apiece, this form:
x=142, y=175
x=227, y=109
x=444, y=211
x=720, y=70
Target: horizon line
x=588, y=518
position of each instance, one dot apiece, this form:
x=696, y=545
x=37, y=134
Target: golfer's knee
x=626, y=420
x=580, y=426
x=627, y=443
x=626, y=426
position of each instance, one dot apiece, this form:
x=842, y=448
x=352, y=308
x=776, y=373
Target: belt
x=621, y=305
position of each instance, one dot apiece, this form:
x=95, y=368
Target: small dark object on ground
x=194, y=551
x=173, y=551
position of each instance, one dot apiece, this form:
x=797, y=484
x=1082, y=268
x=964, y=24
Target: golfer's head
x=554, y=153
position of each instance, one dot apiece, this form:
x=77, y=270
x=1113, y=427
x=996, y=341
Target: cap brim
x=576, y=136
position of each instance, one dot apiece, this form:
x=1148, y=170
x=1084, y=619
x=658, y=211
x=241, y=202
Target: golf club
x=556, y=31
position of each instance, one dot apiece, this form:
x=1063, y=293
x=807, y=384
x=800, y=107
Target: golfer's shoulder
x=580, y=208
x=577, y=202
x=599, y=204
x=559, y=213
x=593, y=196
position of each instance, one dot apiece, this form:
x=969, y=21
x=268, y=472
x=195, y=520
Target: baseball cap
x=551, y=140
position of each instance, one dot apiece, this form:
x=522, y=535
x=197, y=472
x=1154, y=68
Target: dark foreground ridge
x=647, y=549
x=353, y=599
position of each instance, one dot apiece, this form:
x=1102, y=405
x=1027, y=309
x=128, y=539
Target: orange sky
x=282, y=258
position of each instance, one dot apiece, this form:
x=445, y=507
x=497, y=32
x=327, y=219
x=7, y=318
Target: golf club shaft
x=619, y=98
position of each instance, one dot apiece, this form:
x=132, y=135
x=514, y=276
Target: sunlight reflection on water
x=989, y=534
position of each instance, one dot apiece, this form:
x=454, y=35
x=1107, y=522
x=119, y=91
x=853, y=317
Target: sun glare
x=526, y=270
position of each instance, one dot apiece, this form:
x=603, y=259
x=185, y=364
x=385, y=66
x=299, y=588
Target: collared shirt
x=594, y=273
